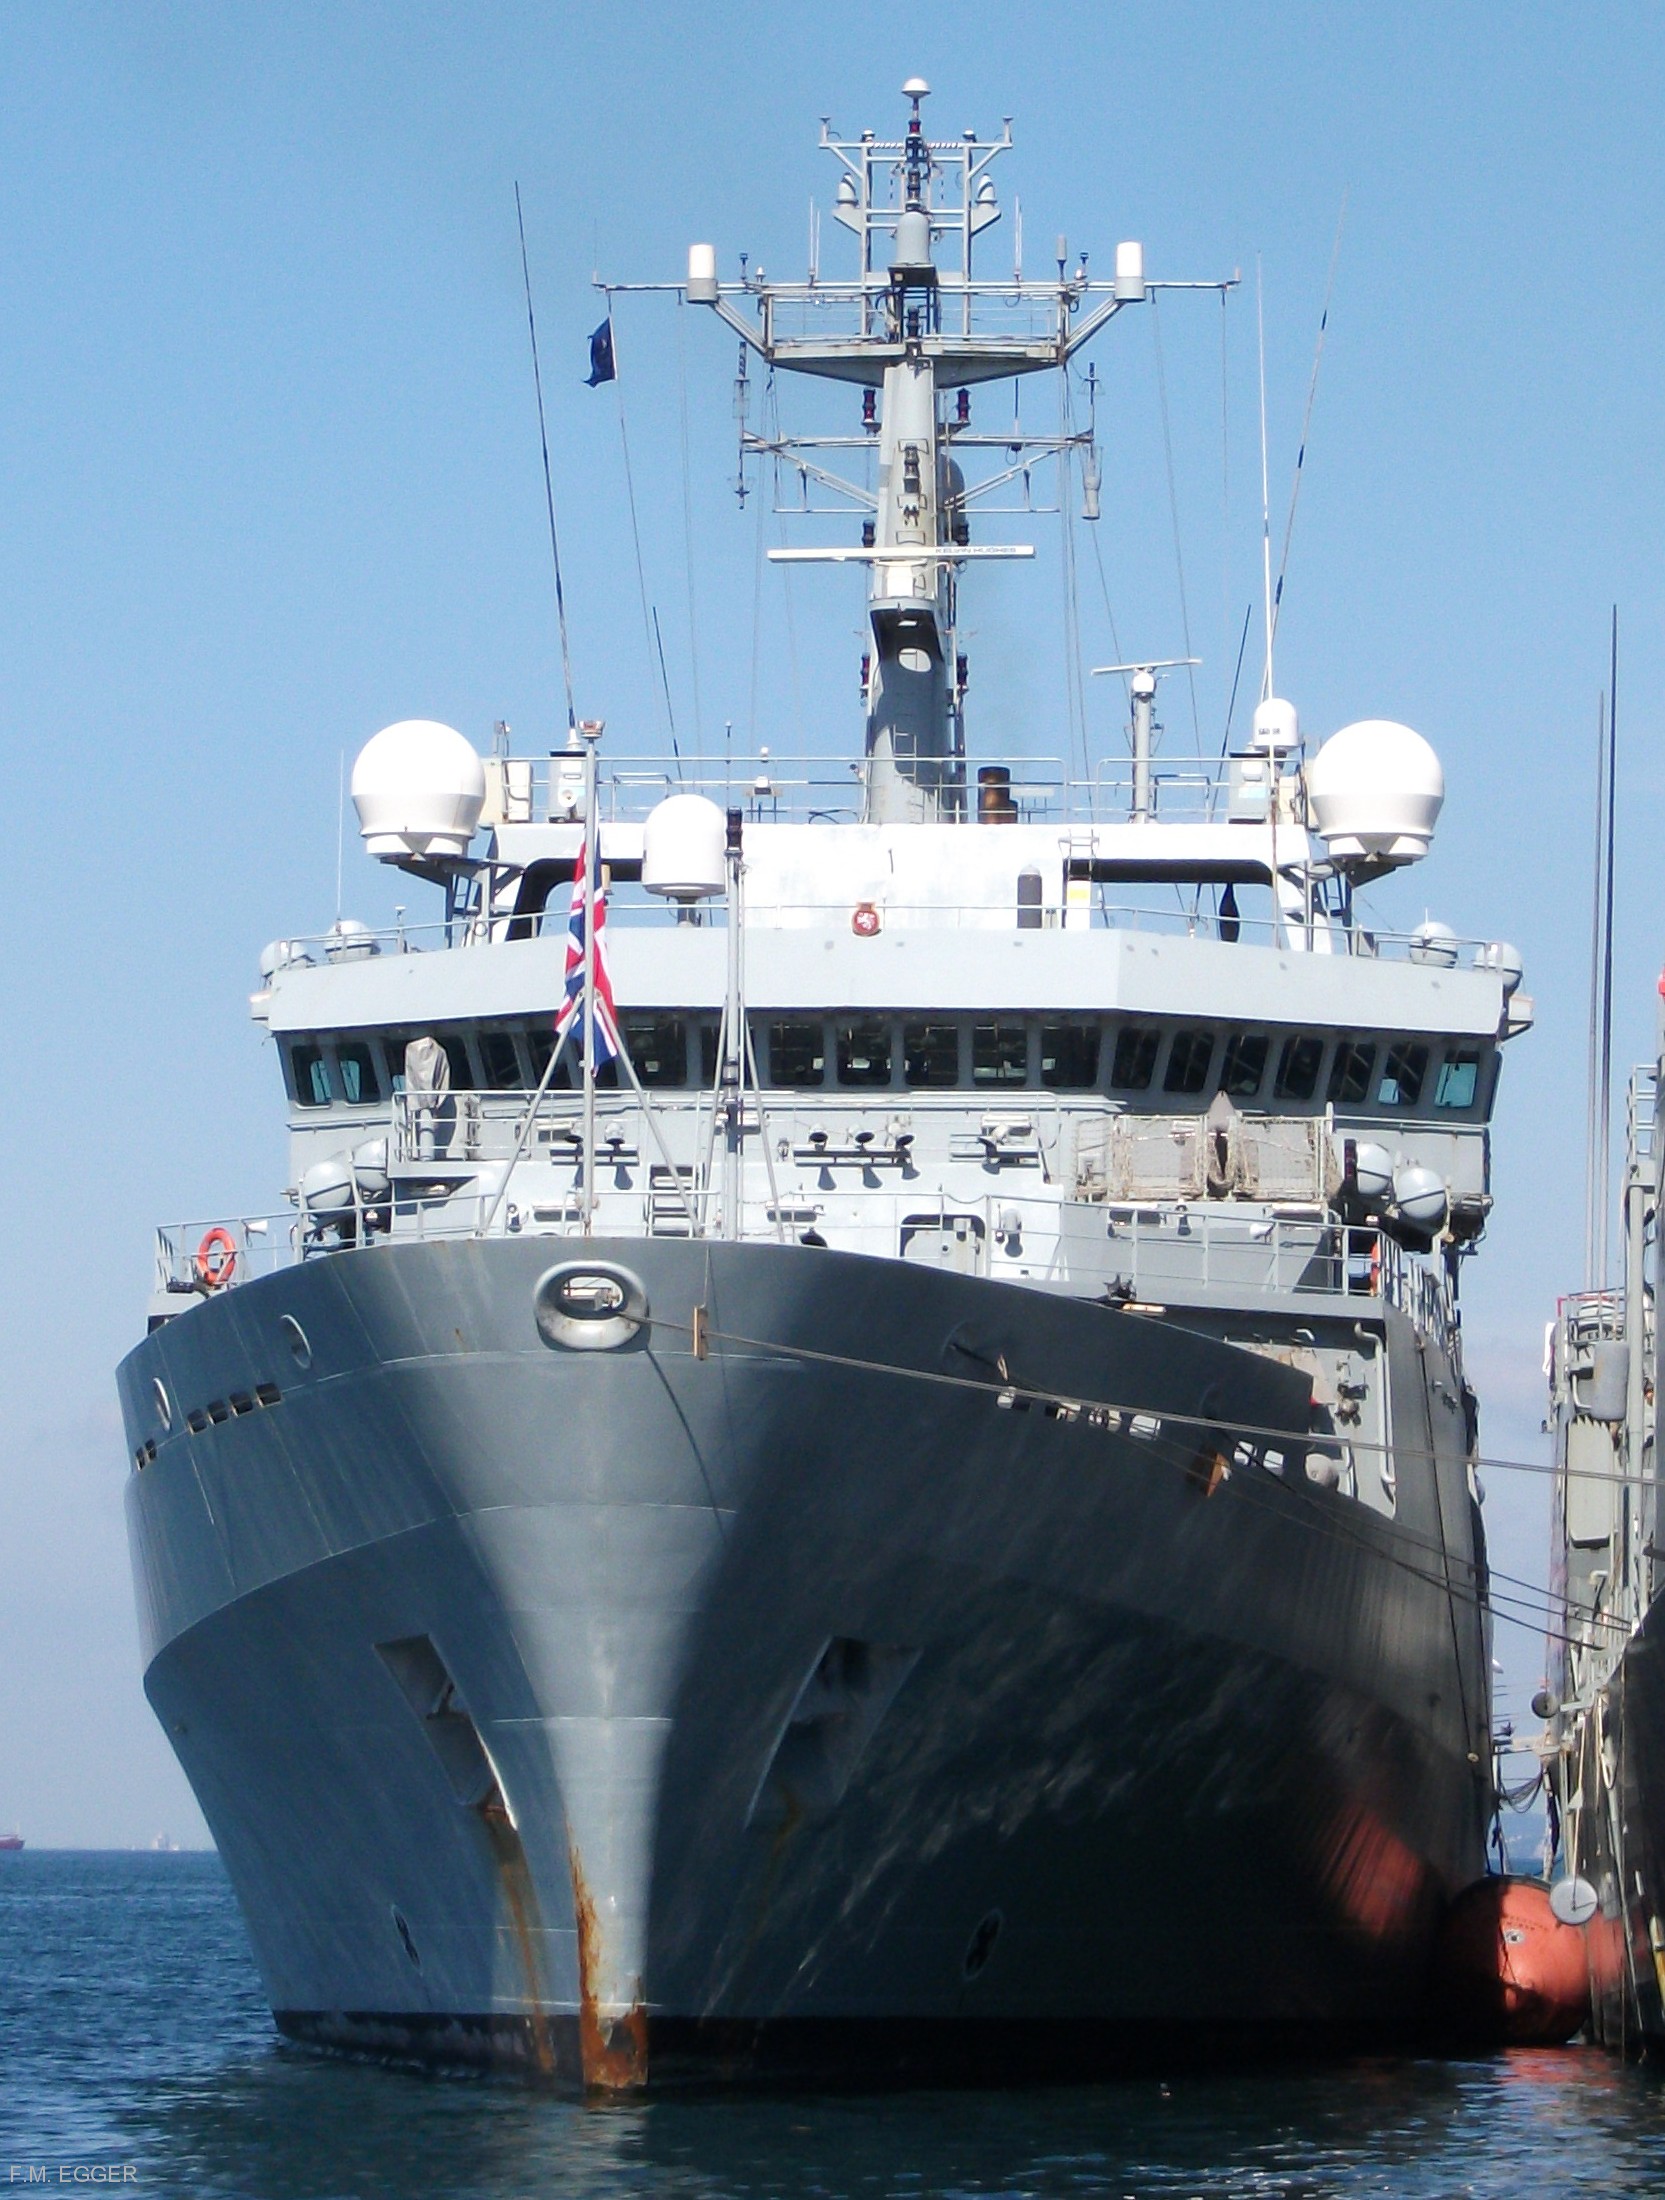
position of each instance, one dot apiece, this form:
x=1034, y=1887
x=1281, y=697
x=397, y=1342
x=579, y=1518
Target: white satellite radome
x=349, y=940
x=418, y=788
x=1504, y=959
x=279, y=955
x=683, y=843
x=1434, y=945
x=1376, y=790
x=1277, y=727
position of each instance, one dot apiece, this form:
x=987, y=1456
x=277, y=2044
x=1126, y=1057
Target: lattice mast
x=916, y=329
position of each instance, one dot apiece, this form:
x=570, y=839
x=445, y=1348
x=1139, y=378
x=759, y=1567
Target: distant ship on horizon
x=11, y=1842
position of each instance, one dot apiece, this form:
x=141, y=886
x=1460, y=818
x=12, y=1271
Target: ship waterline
x=583, y=1708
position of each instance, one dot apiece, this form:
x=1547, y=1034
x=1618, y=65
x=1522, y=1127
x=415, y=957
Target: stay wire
x=1532, y=1609
x=1293, y=1438
x=688, y=531
x=772, y=416
x=1173, y=514
x=548, y=481
x=649, y=620
x=1231, y=707
x=1109, y=613
x=1074, y=686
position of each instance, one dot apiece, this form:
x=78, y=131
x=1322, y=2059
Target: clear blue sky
x=270, y=480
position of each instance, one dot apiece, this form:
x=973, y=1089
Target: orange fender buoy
x=1507, y=1970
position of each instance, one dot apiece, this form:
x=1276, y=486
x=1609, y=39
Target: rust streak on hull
x=520, y=1899
x=613, y=2050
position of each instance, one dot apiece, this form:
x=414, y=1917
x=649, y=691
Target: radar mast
x=917, y=330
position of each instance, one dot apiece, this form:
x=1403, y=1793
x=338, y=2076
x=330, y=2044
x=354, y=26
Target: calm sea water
x=133, y=2038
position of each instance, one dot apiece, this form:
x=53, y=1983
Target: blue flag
x=602, y=368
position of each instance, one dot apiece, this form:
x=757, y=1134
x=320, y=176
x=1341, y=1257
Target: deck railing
x=1223, y=1254
x=1188, y=916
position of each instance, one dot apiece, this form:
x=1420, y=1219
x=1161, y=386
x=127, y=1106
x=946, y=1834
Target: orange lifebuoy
x=216, y=1259
x=865, y=922
x=1376, y=1269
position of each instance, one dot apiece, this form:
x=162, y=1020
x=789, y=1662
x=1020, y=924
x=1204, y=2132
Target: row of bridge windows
x=1184, y=1062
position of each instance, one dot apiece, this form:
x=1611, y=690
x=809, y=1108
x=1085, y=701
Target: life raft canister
x=216, y=1258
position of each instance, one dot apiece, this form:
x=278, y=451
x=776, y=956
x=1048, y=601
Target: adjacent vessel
x=924, y=1515
x=1603, y=1705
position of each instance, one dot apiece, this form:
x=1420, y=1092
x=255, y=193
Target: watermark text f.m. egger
x=72, y=2173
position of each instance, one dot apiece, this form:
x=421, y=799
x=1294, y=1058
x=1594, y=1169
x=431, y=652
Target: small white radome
x=683, y=843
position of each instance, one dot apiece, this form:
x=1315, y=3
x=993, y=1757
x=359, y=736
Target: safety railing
x=196, y=1259
x=1227, y=1254
x=805, y=789
x=1188, y=916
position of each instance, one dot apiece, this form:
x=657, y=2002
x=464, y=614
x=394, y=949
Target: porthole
x=295, y=1337
x=164, y=1405
x=589, y=1306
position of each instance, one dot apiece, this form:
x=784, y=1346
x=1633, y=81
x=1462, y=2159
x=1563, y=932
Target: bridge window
x=1350, y=1072
x=312, y=1076
x=393, y=1060
x=1135, y=1058
x=1069, y=1057
x=1402, y=1080
x=1459, y=1078
x=1298, y=1067
x=500, y=1059
x=864, y=1052
x=1245, y=1064
x=358, y=1073
x=931, y=1054
x=1189, y=1054
x=540, y=1045
x=658, y=1048
x=797, y=1053
x=462, y=1069
x=1000, y=1054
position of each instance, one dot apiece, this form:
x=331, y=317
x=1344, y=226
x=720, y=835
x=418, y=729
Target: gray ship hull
x=590, y=1709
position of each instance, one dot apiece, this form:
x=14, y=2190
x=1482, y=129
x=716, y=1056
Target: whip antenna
x=548, y=484
x=1265, y=492
x=1306, y=417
